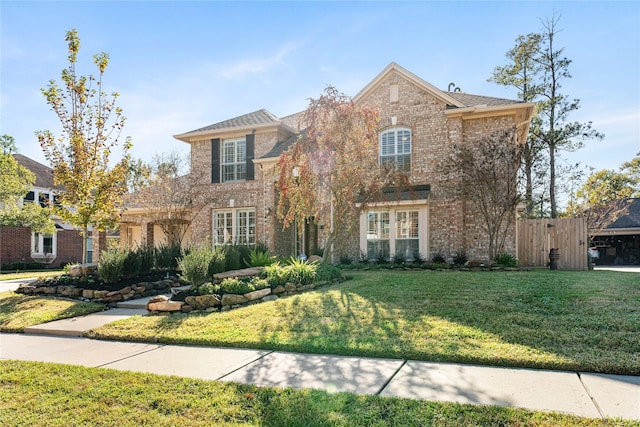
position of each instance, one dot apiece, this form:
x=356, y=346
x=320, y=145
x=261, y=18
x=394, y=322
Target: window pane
x=47, y=244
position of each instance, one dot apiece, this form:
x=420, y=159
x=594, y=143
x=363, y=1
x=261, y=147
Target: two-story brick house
x=20, y=245
x=419, y=125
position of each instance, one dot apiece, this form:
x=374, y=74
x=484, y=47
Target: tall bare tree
x=485, y=173
x=91, y=128
x=168, y=193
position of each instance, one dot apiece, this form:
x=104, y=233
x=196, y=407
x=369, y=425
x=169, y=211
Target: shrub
x=506, y=260
x=418, y=258
x=345, y=260
x=111, y=265
x=260, y=258
x=237, y=256
x=381, y=258
x=233, y=285
x=399, y=258
x=208, y=289
x=300, y=271
x=438, y=258
x=460, y=258
x=275, y=274
x=167, y=256
x=327, y=273
x=195, y=265
x=258, y=283
x=218, y=261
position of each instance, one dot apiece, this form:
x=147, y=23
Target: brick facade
x=438, y=120
x=15, y=247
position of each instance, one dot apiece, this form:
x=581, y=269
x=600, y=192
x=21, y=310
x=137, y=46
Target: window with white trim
x=407, y=234
x=234, y=159
x=43, y=245
x=378, y=235
x=394, y=232
x=234, y=226
x=395, y=148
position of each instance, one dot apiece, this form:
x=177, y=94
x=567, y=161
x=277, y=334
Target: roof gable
x=257, y=119
x=392, y=68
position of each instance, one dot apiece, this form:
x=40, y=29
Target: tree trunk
x=552, y=180
x=85, y=241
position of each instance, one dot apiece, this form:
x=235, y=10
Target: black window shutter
x=250, y=139
x=215, y=160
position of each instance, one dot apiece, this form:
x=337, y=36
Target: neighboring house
x=619, y=243
x=20, y=245
x=419, y=125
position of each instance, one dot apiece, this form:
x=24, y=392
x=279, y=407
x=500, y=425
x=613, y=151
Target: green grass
x=45, y=394
x=10, y=275
x=19, y=311
x=586, y=321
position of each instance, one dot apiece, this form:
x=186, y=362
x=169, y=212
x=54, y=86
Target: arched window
x=395, y=147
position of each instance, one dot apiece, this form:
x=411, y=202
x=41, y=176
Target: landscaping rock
x=306, y=287
x=278, y=290
x=159, y=298
x=87, y=293
x=80, y=270
x=202, y=302
x=230, y=299
x=290, y=287
x=270, y=298
x=255, y=295
x=315, y=258
x=165, y=306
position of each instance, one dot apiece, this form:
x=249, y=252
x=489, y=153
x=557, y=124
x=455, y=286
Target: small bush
x=460, y=258
x=327, y=273
x=275, y=274
x=506, y=260
x=381, y=258
x=195, y=265
x=260, y=258
x=208, y=289
x=418, y=258
x=233, y=285
x=399, y=258
x=111, y=265
x=345, y=260
x=438, y=258
x=237, y=257
x=300, y=271
x=259, y=283
x=166, y=256
x=217, y=262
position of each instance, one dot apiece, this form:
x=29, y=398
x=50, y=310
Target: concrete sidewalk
x=583, y=394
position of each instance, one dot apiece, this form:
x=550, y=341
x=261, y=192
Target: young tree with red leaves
x=333, y=164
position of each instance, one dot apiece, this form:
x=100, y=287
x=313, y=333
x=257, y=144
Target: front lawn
x=45, y=394
x=581, y=321
x=12, y=275
x=19, y=311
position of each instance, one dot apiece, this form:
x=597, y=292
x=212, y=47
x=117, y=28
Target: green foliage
x=167, y=256
x=399, y=258
x=260, y=258
x=138, y=261
x=345, y=260
x=111, y=265
x=275, y=274
x=300, y=272
x=233, y=285
x=438, y=258
x=208, y=289
x=195, y=265
x=237, y=257
x=327, y=273
x=259, y=283
x=217, y=263
x=460, y=258
x=506, y=260
x=91, y=128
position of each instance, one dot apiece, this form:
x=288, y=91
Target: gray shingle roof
x=281, y=147
x=256, y=118
x=44, y=174
x=473, y=100
x=631, y=218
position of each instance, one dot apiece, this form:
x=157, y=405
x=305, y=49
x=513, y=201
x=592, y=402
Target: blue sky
x=183, y=65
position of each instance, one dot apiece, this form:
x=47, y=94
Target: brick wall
x=15, y=246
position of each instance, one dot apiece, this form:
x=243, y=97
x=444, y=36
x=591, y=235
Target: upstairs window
x=234, y=159
x=395, y=148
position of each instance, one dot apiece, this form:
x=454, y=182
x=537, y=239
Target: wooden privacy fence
x=536, y=237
